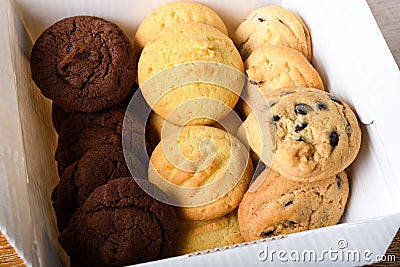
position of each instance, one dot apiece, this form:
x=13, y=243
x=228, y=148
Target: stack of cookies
x=316, y=135
x=87, y=66
x=181, y=33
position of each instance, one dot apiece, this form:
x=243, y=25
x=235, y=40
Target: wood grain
x=387, y=14
x=8, y=255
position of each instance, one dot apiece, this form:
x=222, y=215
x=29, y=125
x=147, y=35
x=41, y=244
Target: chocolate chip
x=333, y=139
x=276, y=118
x=290, y=202
x=300, y=139
x=322, y=106
x=338, y=181
x=255, y=83
x=335, y=99
x=287, y=93
x=267, y=233
x=241, y=47
x=261, y=19
x=291, y=222
x=280, y=21
x=302, y=109
x=299, y=127
x=90, y=55
x=68, y=48
x=348, y=130
x=273, y=104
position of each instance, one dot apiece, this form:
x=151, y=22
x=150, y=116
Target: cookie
x=274, y=67
x=155, y=126
x=272, y=25
x=83, y=131
x=95, y=168
x=317, y=134
x=202, y=235
x=125, y=102
x=191, y=42
x=83, y=63
x=280, y=206
x=135, y=140
x=172, y=13
x=206, y=169
x=58, y=117
x=119, y=225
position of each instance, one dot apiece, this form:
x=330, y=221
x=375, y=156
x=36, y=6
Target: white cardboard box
x=352, y=58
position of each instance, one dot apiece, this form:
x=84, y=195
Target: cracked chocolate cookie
x=280, y=206
x=317, y=134
x=83, y=63
x=272, y=25
x=83, y=131
x=58, y=117
x=119, y=224
x=95, y=168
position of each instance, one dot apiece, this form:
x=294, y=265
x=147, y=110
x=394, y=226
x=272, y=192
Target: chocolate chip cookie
x=119, y=224
x=95, y=168
x=83, y=63
x=280, y=206
x=317, y=134
x=272, y=25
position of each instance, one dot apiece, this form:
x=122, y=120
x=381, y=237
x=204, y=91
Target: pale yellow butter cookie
x=191, y=43
x=173, y=13
x=202, y=235
x=205, y=169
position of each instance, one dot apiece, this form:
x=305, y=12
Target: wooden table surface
x=387, y=14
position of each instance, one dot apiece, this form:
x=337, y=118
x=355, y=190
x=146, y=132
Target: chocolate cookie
x=82, y=131
x=119, y=224
x=58, y=116
x=83, y=63
x=95, y=168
